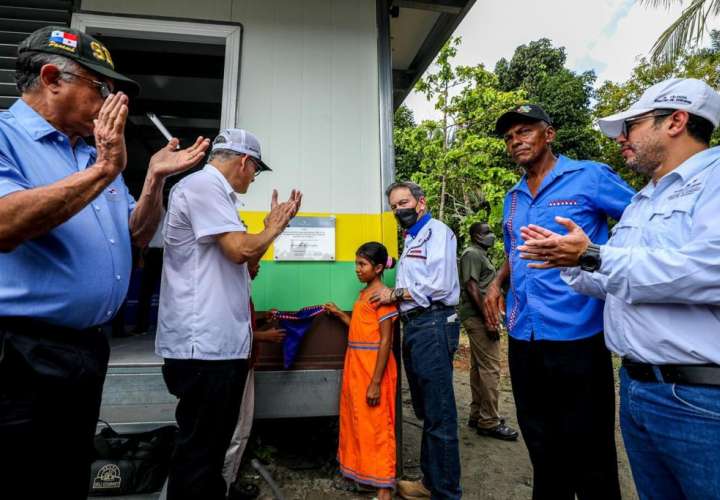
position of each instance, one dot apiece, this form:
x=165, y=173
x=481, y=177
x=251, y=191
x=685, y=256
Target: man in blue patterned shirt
x=560, y=369
x=659, y=275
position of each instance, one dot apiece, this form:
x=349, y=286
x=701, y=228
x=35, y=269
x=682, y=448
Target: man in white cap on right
x=660, y=277
x=204, y=322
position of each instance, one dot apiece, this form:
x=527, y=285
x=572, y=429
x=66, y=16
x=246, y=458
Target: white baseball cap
x=240, y=141
x=688, y=94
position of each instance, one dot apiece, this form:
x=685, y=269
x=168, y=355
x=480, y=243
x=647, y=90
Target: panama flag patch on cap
x=64, y=39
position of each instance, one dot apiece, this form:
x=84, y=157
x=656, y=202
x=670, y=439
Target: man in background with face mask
x=561, y=371
x=427, y=292
x=476, y=273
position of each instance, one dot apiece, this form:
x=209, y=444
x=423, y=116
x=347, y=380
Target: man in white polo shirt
x=204, y=325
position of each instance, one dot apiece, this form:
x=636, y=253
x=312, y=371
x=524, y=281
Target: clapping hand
x=280, y=213
x=553, y=249
x=109, y=132
x=169, y=160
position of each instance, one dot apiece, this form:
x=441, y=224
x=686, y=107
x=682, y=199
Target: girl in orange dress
x=366, y=450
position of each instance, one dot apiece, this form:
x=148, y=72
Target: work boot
x=410, y=490
x=500, y=431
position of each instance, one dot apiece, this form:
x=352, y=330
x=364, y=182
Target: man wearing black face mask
x=427, y=292
x=476, y=273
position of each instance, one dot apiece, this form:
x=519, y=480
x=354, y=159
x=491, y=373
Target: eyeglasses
x=258, y=171
x=103, y=87
x=629, y=123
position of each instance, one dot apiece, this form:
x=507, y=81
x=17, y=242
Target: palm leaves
x=686, y=30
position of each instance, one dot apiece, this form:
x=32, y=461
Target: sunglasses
x=103, y=87
x=629, y=123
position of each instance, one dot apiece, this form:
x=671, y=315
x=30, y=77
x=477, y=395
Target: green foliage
x=464, y=168
x=686, y=31
x=539, y=69
x=458, y=161
x=703, y=64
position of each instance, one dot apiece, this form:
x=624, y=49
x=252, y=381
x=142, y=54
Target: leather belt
x=406, y=316
x=673, y=374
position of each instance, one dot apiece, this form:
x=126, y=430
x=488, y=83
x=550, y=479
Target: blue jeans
x=672, y=438
x=429, y=342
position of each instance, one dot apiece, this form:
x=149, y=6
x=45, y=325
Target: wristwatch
x=398, y=294
x=590, y=260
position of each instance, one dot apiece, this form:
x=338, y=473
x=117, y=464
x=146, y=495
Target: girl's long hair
x=377, y=254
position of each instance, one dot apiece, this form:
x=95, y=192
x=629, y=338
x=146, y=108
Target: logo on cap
x=101, y=53
x=523, y=109
x=63, y=40
x=674, y=98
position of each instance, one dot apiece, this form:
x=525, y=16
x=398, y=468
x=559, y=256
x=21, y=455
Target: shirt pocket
x=570, y=208
x=670, y=224
x=627, y=231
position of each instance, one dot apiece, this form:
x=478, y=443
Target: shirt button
x=112, y=241
x=117, y=277
x=109, y=313
x=96, y=207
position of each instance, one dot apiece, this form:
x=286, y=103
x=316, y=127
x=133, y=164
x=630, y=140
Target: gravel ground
x=300, y=454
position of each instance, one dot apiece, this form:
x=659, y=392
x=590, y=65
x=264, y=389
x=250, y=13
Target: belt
x=673, y=374
x=406, y=316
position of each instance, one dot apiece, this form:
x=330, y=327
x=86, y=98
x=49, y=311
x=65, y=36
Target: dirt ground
x=300, y=454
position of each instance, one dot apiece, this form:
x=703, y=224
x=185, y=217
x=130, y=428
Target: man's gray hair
x=415, y=190
x=28, y=64
x=222, y=155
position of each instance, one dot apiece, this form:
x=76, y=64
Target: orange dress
x=366, y=450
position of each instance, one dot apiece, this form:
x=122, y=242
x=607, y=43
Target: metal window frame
x=229, y=35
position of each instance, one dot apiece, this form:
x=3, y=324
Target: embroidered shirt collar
x=419, y=224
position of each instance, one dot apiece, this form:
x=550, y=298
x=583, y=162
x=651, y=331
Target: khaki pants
x=484, y=374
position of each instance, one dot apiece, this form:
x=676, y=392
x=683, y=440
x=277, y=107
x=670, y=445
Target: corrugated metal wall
x=18, y=18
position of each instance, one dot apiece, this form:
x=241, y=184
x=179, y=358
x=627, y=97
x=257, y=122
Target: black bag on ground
x=130, y=463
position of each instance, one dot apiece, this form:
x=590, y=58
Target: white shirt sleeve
x=210, y=209
x=686, y=275
x=591, y=284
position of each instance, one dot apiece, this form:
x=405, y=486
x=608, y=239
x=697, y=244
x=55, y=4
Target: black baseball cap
x=81, y=48
x=524, y=113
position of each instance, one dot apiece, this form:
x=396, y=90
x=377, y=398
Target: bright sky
x=604, y=35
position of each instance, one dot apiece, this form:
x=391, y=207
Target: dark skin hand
x=474, y=292
x=493, y=305
x=552, y=249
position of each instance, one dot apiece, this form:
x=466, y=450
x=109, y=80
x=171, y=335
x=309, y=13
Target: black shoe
x=472, y=423
x=500, y=431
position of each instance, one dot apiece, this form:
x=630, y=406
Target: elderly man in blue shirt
x=66, y=226
x=560, y=369
x=660, y=277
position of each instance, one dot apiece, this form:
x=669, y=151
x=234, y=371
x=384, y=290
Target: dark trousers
x=152, y=270
x=565, y=399
x=51, y=383
x=429, y=342
x=209, y=393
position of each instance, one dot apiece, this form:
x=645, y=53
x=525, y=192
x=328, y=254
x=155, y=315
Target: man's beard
x=648, y=157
